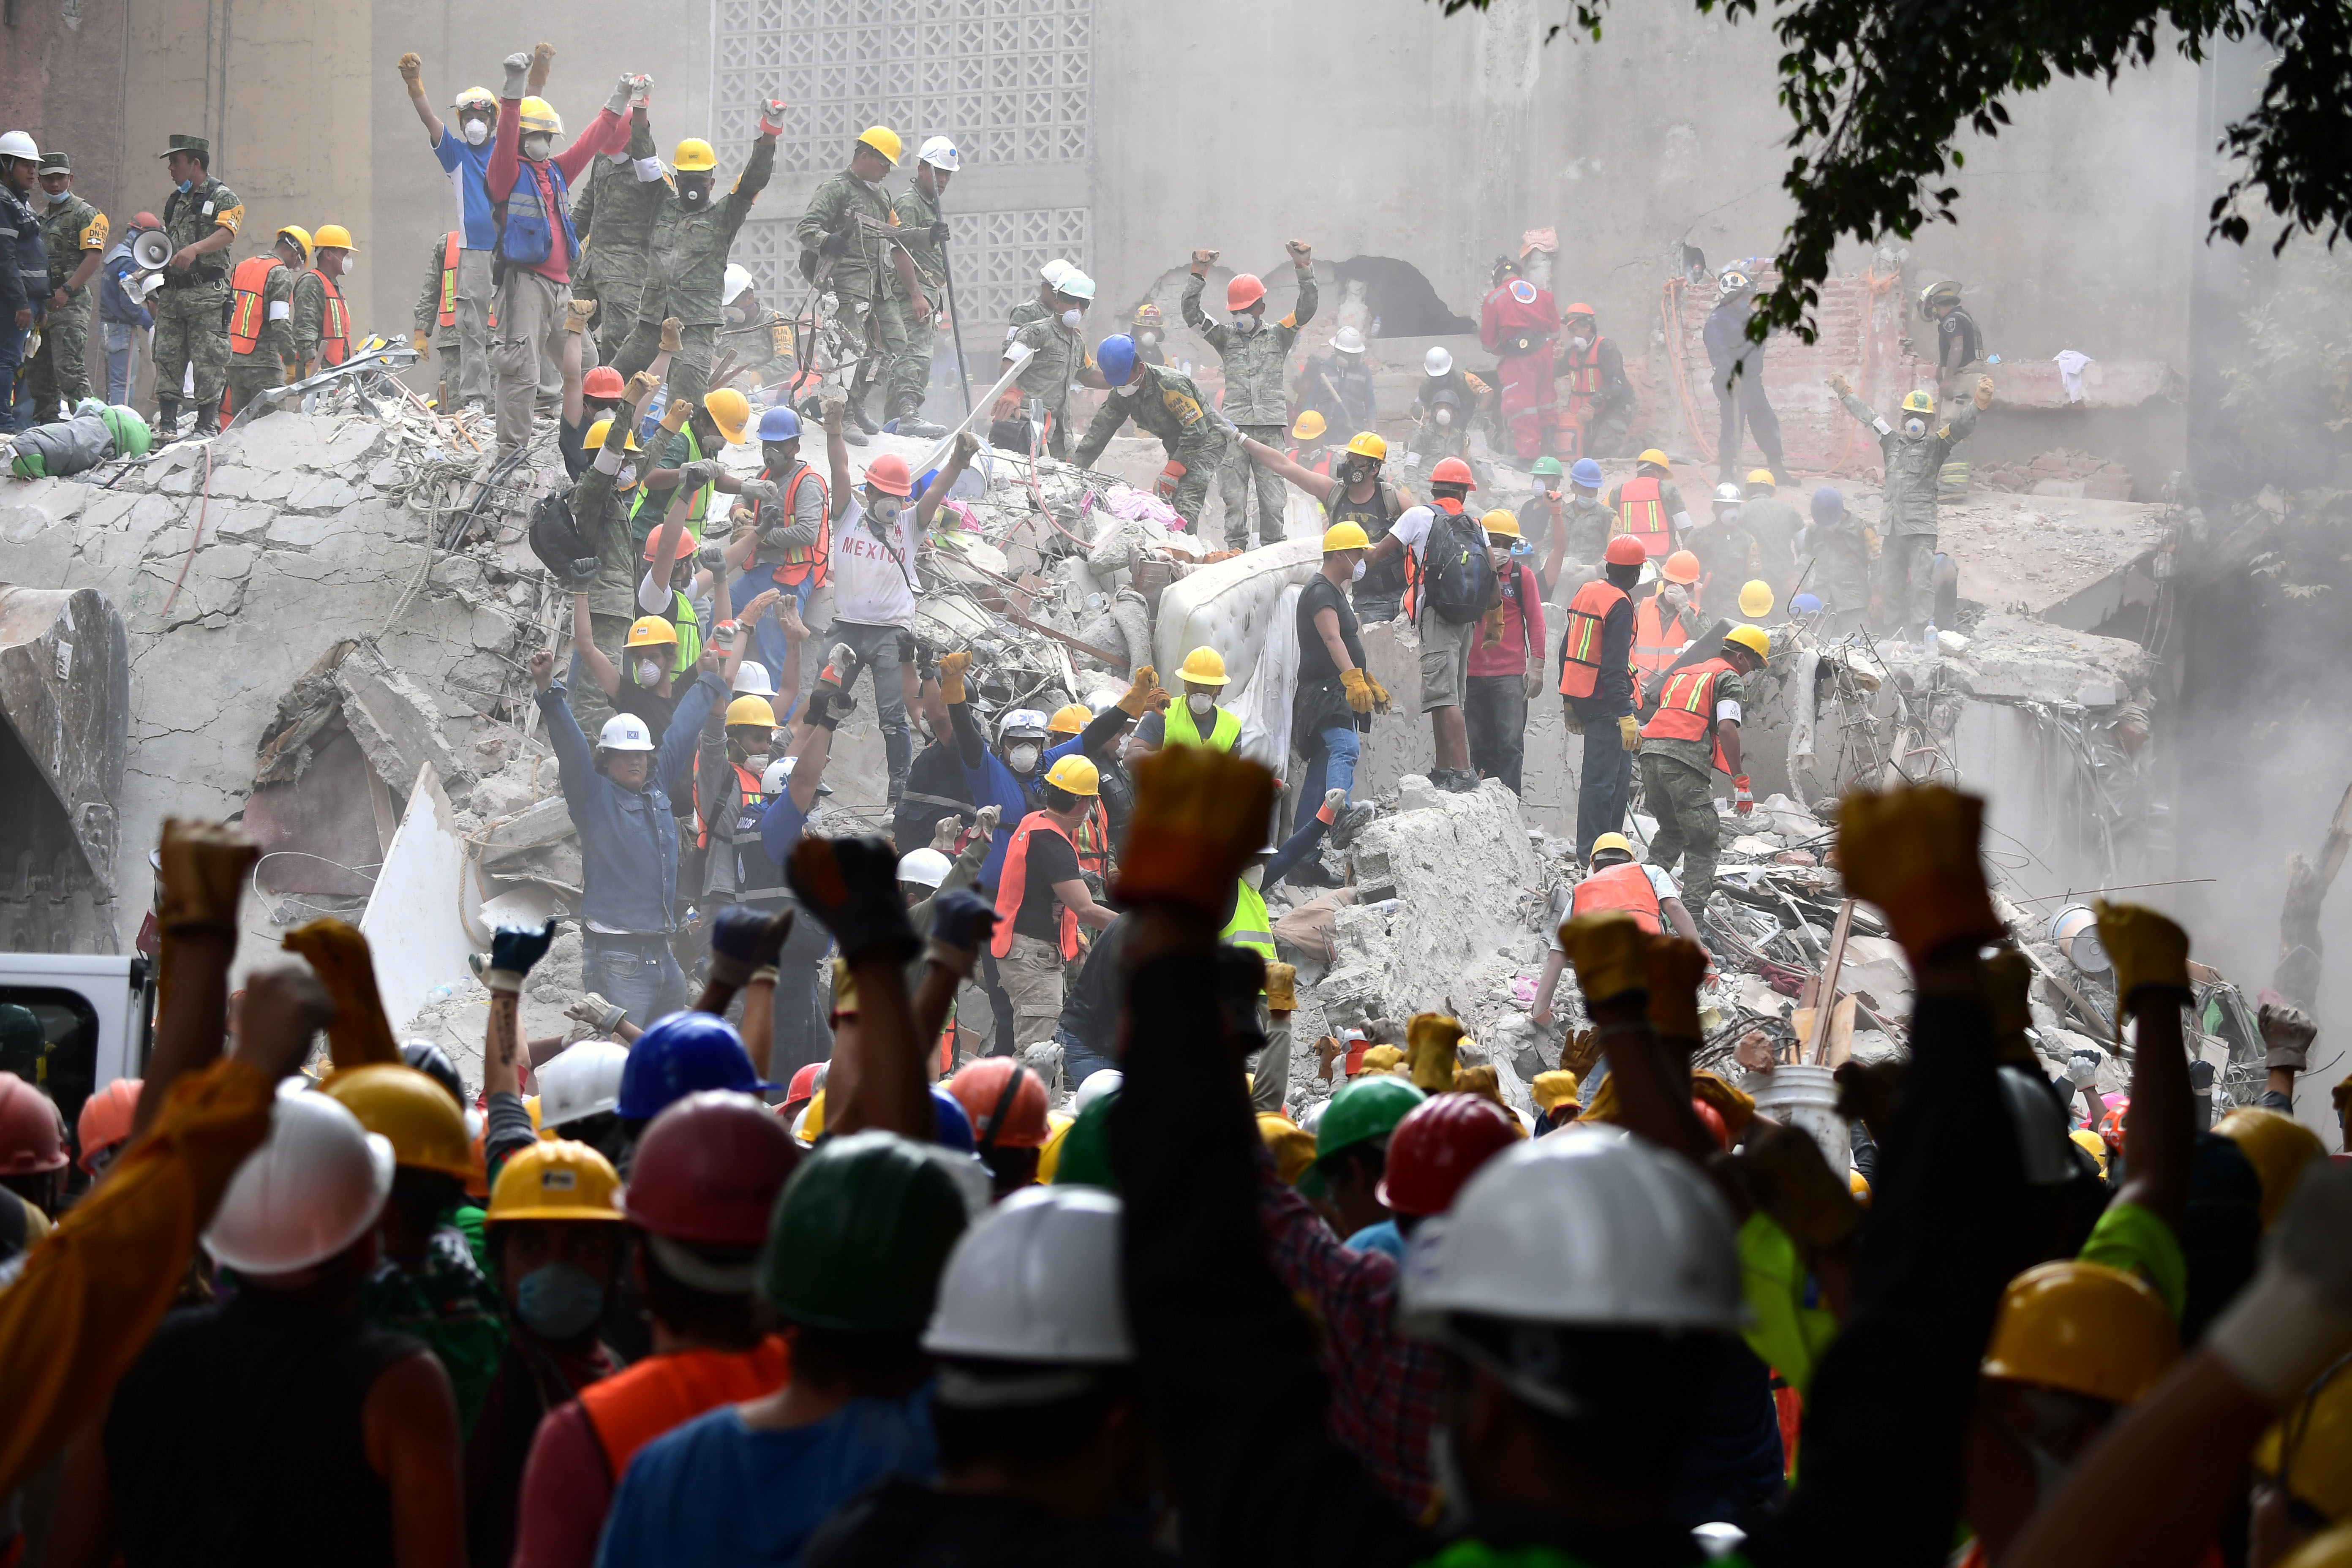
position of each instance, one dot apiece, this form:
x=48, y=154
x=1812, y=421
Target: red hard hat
x=106, y=1117
x=1439, y=1145
x=603, y=382
x=1578, y=309
x=32, y=1133
x=1243, y=292
x=1453, y=471
x=1713, y=1120
x=1624, y=551
x=803, y=1087
x=707, y=1171
x=2111, y=1125
x=890, y=474
x=981, y=1089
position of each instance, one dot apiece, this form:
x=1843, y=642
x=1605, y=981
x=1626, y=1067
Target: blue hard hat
x=1115, y=358
x=1805, y=604
x=952, y=1128
x=779, y=423
x=1829, y=502
x=1586, y=472
x=681, y=1053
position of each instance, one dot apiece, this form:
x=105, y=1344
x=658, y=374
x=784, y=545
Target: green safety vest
x=690, y=631
x=1182, y=732
x=1250, y=927
x=698, y=508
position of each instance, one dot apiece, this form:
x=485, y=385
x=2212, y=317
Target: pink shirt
x=608, y=132
x=1522, y=616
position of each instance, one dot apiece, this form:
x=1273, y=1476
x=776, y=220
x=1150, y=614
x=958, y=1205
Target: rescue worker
x=74, y=233
x=1539, y=513
x=463, y=151
x=1040, y=395
x=1738, y=377
x=1197, y=721
x=1149, y=329
x=1249, y=927
x=1581, y=522
x=1613, y=880
x=756, y=337
x=1774, y=525
x=1331, y=706
x=1355, y=493
x=792, y=521
x=1041, y=901
x=718, y=422
x=1959, y=359
x=1506, y=662
x=1665, y=621
x=1596, y=683
x=1519, y=322
x=1253, y=356
x=1443, y=434
x=730, y=796
x=433, y=330
x=1593, y=369
x=124, y=318
x=1312, y=438
x=201, y=217
x=1044, y=307
x=1913, y=452
x=1065, y=736
x=1440, y=374
x=24, y=273
x=1004, y=776
x=1338, y=385
x=620, y=197
x=321, y=335
x=1445, y=644
x=1727, y=552
x=1695, y=735
x=852, y=247
x=1166, y=404
x=1649, y=506
x=924, y=234
x=261, y=319
x=1833, y=563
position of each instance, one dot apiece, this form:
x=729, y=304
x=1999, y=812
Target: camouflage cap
x=56, y=163
x=180, y=143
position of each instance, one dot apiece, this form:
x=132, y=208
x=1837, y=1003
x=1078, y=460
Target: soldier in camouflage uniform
x=1041, y=308
x=926, y=236
x=758, y=340
x=850, y=244
x=613, y=216
x=1170, y=406
x=1679, y=769
x=1057, y=357
x=75, y=234
x=1254, y=355
x=1915, y=452
x=201, y=220
x=273, y=359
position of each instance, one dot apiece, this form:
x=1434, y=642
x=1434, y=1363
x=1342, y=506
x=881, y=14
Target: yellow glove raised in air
x=1199, y=816
x=1982, y=395
x=672, y=333
x=576, y=314
x=641, y=386
x=1913, y=853
x=412, y=71
x=204, y=871
x=1282, y=988
x=951, y=668
x=542, y=60
x=2147, y=951
x=1430, y=1040
x=1611, y=954
x=360, y=1033
x=1360, y=689
x=675, y=415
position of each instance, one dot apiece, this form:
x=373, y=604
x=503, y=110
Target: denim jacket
x=628, y=840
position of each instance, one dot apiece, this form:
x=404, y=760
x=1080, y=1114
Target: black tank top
x=238, y=1432
x=1375, y=516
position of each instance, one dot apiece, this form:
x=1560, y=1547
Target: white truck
x=96, y=1013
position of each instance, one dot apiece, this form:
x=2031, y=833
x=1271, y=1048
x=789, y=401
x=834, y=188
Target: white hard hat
x=940, y=153
x=1312, y=1116
x=1036, y=1281
x=18, y=144
x=1099, y=1082
x=925, y=866
x=1053, y=271
x=1027, y=722
x=752, y=680
x=1347, y=340
x=625, y=733
x=1590, y=1228
x=737, y=278
x=777, y=773
x=313, y=1187
x=584, y=1080
x=1727, y=492
x=1076, y=285
x=1437, y=362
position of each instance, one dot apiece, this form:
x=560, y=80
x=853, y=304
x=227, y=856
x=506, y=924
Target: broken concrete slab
x=396, y=721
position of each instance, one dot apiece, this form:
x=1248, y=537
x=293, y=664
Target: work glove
x=619, y=103
x=672, y=330
x=1866, y=1092
x=205, y=866
x=1199, y=816
x=2008, y=979
x=835, y=245
x=291, y=374
x=939, y=231
x=1360, y=689
x=675, y=415
x=420, y=342
x=411, y=72
x=1430, y=1040
x=1567, y=716
x=338, y=954
x=1737, y=1108
x=829, y=701
x=693, y=476
x=513, y=950
x=1794, y=1184
x=1165, y=486
x=2147, y=951
x=1379, y=694
x=2295, y=1320
x=961, y=921
x=1333, y=801
x=852, y=885
x=542, y=60
x=1202, y=261
x=2287, y=1033
x=641, y=386
x=832, y=411
x=2082, y=1067
x=597, y=1014
x=951, y=668
x=984, y=821
x=1535, y=682
x=576, y=314
x=772, y=116
x=1142, y=689
x=1743, y=799
x=1982, y=395
x=517, y=66
x=1611, y=952
x=1913, y=853
x=1302, y=255
x=1839, y=385
x=641, y=91
x=1629, y=733
x=759, y=490
x=744, y=941
x=1672, y=968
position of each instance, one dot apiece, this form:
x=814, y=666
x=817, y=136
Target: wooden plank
x=1819, y=1051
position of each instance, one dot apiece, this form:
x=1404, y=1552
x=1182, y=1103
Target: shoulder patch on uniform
x=1181, y=404
x=228, y=218
x=1290, y=321
x=1523, y=291
x=93, y=234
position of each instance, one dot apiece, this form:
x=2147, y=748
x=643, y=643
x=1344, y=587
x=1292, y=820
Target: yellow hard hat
x=1500, y=521
x=1617, y=841
x=1756, y=599
x=883, y=140
x=813, y=1120
x=1049, y=1156
x=302, y=237
x=1753, y=639
x=1364, y=444
x=1069, y=719
x=2084, y=1328
x=1919, y=403
x=1652, y=455
x=1310, y=425
x=594, y=440
x=1346, y=536
x=2331, y=1548
x=1554, y=1088
x=2279, y=1148
x=1076, y=776
x=646, y=630
x=2091, y=1143
x=334, y=236
x=481, y=95
x=1292, y=1146
x=556, y=1179
x=538, y=114
x=1762, y=477
x=1203, y=666
x=694, y=156
x=730, y=411
x=1859, y=1186
x=844, y=990
x=425, y=1129
x=743, y=709
x=2309, y=1451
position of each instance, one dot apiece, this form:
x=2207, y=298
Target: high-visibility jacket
x=1581, y=376
x=1094, y=840
x=1626, y=888
x=1580, y=650
x=1223, y=731
x=662, y=1393
x=1250, y=926
x=752, y=800
x=805, y=562
x=335, y=333
x=449, y=248
x=698, y=508
x=689, y=631
x=251, y=282
x=1013, y=882
x=1657, y=642
x=1686, y=706
x=1642, y=513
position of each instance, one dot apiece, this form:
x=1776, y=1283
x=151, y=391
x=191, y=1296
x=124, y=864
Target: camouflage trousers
x=1682, y=798
x=190, y=332
x=250, y=375
x=60, y=371
x=875, y=331
x=690, y=367
x=907, y=374
x=1234, y=476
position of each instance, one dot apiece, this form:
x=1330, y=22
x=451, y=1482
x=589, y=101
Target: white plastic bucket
x=1805, y=1098
x=2075, y=929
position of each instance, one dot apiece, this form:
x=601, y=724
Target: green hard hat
x=1085, y=1148
x=1366, y=1109
x=1545, y=468
x=860, y=1235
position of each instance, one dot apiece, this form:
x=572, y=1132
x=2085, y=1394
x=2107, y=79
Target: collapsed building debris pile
x=2059, y=473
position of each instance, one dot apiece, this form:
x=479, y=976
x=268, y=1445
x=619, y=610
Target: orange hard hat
x=32, y=1133
x=1681, y=566
x=604, y=382
x=1578, y=309
x=1625, y=551
x=1243, y=292
x=1453, y=471
x=686, y=547
x=2111, y=1125
x=890, y=474
x=1006, y=1102
x=105, y=1119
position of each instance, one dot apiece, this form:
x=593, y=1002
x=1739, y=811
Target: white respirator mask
x=476, y=132
x=538, y=146
x=648, y=672
x=1022, y=758
x=1914, y=428
x=1128, y=389
x=1580, y=344
x=1150, y=338
x=1358, y=575
x=1200, y=702
x=1245, y=323
x=1071, y=319
x=1446, y=417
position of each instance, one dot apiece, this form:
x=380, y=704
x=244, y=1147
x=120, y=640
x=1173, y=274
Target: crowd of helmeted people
x=663, y=1310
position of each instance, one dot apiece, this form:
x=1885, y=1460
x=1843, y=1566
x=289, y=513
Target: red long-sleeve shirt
x=608, y=132
x=1523, y=627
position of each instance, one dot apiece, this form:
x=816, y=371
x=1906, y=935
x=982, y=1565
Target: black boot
x=207, y=421
x=857, y=412
x=167, y=418
x=912, y=423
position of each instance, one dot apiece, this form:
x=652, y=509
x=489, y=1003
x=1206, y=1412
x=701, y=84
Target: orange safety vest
x=251, y=281
x=335, y=336
x=1583, y=377
x=1626, y=888
x=1580, y=650
x=1641, y=513
x=1013, y=882
x=449, y=279
x=1094, y=840
x=661, y=1393
x=806, y=561
x=745, y=780
x=1687, y=707
x=1657, y=642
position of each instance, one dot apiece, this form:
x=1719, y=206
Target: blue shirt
x=467, y=168
x=781, y=825
x=1383, y=1237
x=628, y=840
x=715, y=1494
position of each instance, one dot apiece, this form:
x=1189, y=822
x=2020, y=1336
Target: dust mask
x=185, y=187
x=1358, y=575
x=1580, y=344
x=559, y=1301
x=1444, y=417
x=59, y=198
x=1914, y=428
x=537, y=146
x=1245, y=323
x=476, y=132
x=1200, y=702
x=648, y=672
x=1127, y=389
x=1071, y=319
x=1022, y=758
x=1151, y=337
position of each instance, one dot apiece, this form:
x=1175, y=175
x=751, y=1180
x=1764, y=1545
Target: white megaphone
x=151, y=250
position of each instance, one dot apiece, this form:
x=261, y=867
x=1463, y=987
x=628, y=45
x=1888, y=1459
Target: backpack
x=1457, y=580
x=556, y=540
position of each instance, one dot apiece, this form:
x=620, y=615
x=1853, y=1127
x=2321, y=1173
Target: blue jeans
x=636, y=974
x=117, y=337
x=12, y=367
x=876, y=647
x=1330, y=765
x=1606, y=781
x=1079, y=1062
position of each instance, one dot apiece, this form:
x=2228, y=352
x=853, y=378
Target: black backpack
x=1457, y=579
x=556, y=540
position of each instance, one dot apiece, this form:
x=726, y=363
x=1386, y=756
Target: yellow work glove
x=411, y=72
x=1795, y=1186
x=1913, y=853
x=1737, y=1108
x=1430, y=1040
x=2146, y=950
x=2008, y=979
x=1360, y=690
x=671, y=329
x=1486, y=1083
x=1137, y=699
x=1629, y=733
x=576, y=314
x=204, y=873
x=675, y=415
x=1840, y=384
x=1982, y=395
x=1672, y=967
x=292, y=373
x=951, y=668
x=1282, y=988
x=1555, y=1088
x=641, y=386
x=421, y=341
x=1602, y=1105
x=542, y=60
x=1199, y=816
x=1379, y=694
x=360, y=1033
x=1611, y=952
